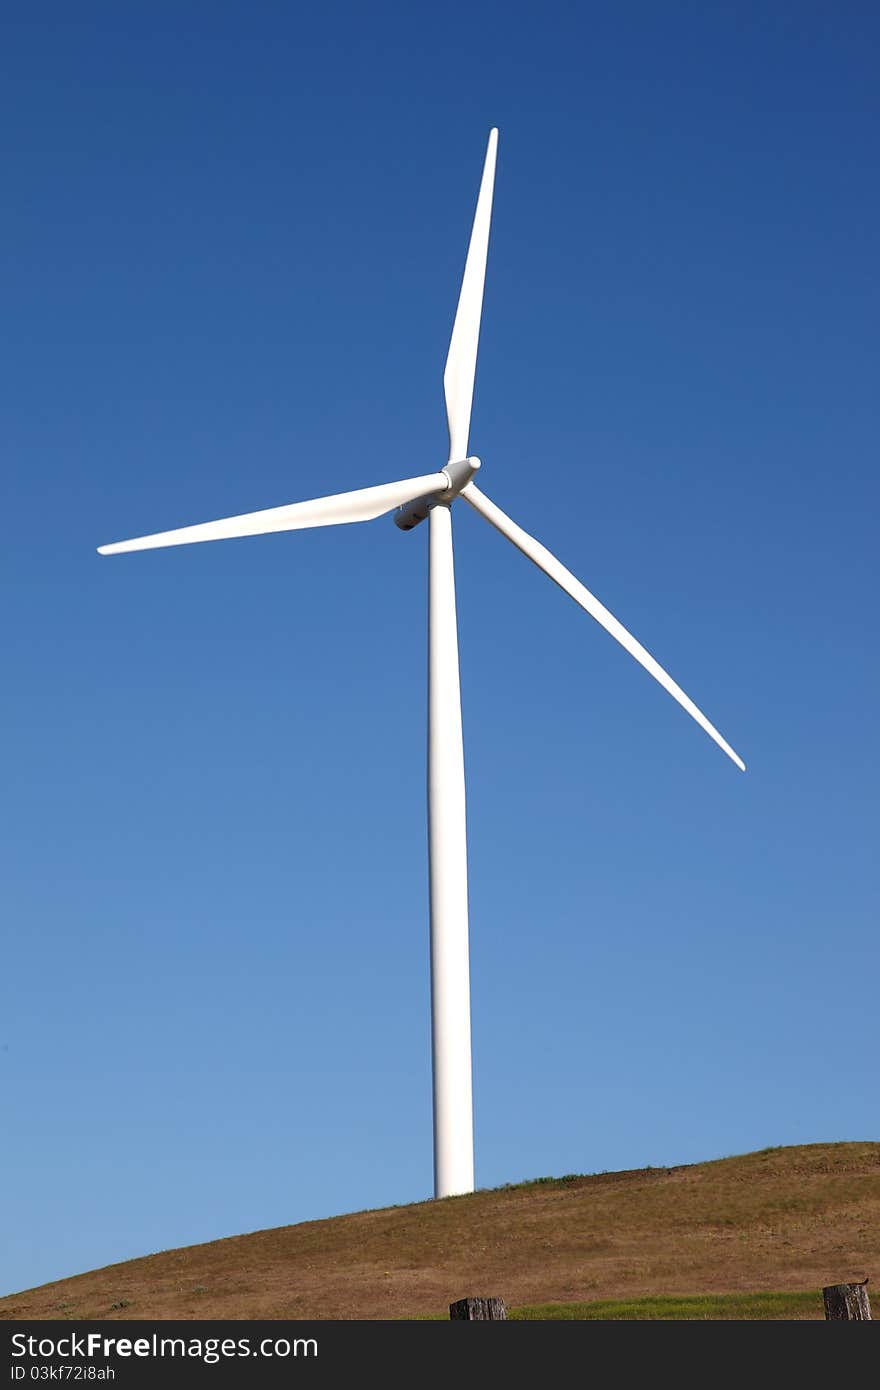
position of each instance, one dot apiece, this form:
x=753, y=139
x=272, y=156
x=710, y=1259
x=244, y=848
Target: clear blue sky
x=232, y=240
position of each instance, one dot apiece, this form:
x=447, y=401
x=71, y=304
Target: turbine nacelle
x=459, y=474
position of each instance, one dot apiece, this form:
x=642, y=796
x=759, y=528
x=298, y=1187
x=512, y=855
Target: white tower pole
x=447, y=858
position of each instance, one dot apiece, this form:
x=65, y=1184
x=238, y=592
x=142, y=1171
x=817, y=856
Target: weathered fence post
x=479, y=1309
x=847, y=1302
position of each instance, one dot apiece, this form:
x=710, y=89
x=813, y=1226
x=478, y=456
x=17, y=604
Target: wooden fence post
x=847, y=1302
x=479, y=1309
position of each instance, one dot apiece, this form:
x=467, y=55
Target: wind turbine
x=430, y=497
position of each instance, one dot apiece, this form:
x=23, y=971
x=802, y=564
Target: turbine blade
x=541, y=556
x=362, y=505
x=461, y=363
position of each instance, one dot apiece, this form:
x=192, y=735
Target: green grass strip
x=685, y=1307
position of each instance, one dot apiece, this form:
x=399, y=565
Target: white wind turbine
x=415, y=499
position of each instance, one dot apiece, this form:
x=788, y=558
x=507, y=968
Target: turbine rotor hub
x=459, y=474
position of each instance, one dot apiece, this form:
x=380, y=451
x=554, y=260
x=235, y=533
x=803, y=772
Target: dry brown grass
x=786, y=1219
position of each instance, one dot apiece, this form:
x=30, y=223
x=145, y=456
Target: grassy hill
x=785, y=1220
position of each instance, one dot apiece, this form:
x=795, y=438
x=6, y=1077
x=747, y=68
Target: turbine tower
x=413, y=500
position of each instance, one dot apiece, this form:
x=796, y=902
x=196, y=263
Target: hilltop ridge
x=779, y=1219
